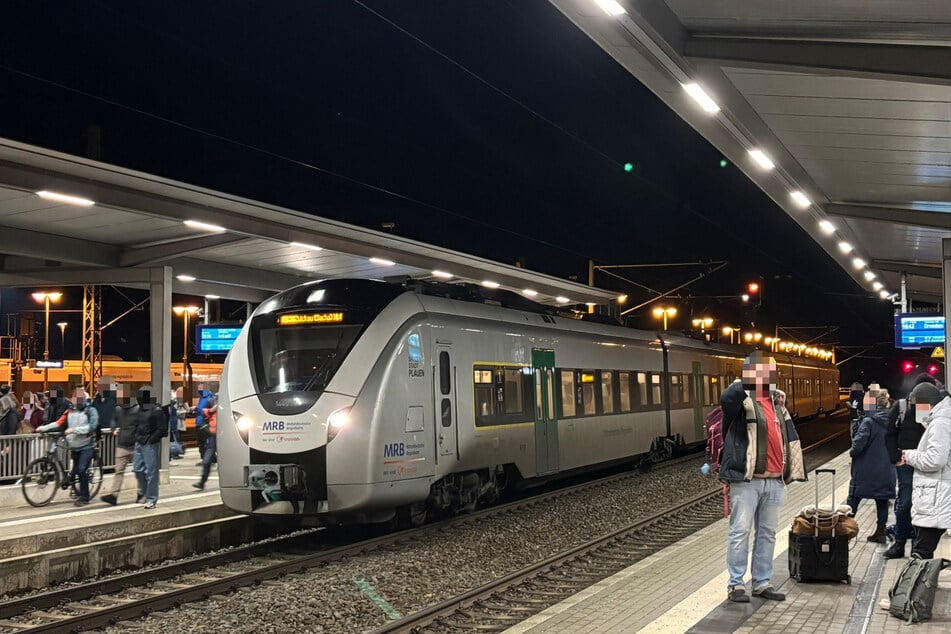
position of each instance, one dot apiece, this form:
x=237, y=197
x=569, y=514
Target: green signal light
x=629, y=167
x=723, y=163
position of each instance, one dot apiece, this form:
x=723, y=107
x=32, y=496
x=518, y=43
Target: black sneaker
x=109, y=499
x=738, y=595
x=199, y=485
x=769, y=593
x=139, y=497
x=80, y=502
x=895, y=551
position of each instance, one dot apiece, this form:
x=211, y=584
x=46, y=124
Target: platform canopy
x=119, y=223
x=849, y=100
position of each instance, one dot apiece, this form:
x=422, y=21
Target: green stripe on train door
x=697, y=401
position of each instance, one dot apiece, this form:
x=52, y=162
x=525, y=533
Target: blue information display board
x=215, y=339
x=919, y=330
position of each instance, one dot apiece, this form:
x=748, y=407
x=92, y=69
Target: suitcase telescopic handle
x=818, y=471
x=832, y=471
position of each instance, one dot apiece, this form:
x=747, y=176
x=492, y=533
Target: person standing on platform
x=105, y=403
x=205, y=400
x=761, y=453
x=931, y=492
x=9, y=411
x=150, y=428
x=211, y=417
x=873, y=473
x=125, y=425
x=904, y=433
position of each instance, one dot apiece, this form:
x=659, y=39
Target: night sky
x=497, y=129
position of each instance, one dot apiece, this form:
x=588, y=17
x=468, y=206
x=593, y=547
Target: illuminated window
x=624, y=389
x=655, y=389
x=567, y=393
x=641, y=389
x=607, y=392
x=588, y=404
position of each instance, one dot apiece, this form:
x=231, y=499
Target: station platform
x=683, y=588
x=40, y=547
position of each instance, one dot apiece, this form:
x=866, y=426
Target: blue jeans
x=81, y=459
x=210, y=446
x=903, y=529
x=754, y=508
x=145, y=465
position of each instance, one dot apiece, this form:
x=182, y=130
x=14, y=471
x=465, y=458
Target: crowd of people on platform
x=138, y=422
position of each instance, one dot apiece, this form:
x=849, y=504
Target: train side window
x=607, y=391
x=567, y=393
x=656, y=398
x=446, y=412
x=513, y=395
x=588, y=404
x=676, y=389
x=445, y=373
x=484, y=393
x=624, y=390
x=707, y=394
x=641, y=389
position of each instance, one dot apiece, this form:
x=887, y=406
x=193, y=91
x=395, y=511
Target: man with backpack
x=760, y=454
x=150, y=428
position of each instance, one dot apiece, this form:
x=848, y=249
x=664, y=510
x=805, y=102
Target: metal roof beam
x=892, y=62
x=161, y=252
x=918, y=268
x=47, y=246
x=893, y=215
x=229, y=274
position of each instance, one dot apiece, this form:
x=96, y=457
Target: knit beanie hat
x=925, y=393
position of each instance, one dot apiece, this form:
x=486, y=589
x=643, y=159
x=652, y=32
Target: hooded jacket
x=931, y=488
x=744, y=438
x=150, y=425
x=873, y=473
x=206, y=399
x=125, y=420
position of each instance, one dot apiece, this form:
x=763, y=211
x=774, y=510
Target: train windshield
x=301, y=358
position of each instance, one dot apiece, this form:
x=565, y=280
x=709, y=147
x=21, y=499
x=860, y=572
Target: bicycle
x=46, y=475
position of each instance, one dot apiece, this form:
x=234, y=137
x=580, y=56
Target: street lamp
x=62, y=337
x=665, y=312
x=729, y=331
x=46, y=298
x=702, y=323
x=186, y=311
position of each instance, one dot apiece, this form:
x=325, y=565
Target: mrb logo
x=394, y=449
x=273, y=425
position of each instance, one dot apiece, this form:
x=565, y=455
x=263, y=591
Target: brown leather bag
x=829, y=525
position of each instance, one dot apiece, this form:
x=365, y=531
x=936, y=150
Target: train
x=361, y=401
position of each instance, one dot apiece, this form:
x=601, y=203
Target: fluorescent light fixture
x=858, y=263
x=490, y=284
x=845, y=247
x=212, y=296
x=884, y=294
x=185, y=278
x=530, y=292
x=442, y=274
x=761, y=159
x=800, y=198
x=382, y=262
x=826, y=226
x=878, y=286
x=869, y=276
x=204, y=226
x=561, y=299
x=63, y=198
x=702, y=98
x=611, y=7
x=304, y=245
x=590, y=304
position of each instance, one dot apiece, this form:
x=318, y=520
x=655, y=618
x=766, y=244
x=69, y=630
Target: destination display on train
x=913, y=330
x=300, y=319
x=211, y=339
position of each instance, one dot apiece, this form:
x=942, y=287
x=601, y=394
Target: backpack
x=912, y=596
x=714, y=427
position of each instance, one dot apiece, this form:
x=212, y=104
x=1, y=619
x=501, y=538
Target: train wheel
x=412, y=515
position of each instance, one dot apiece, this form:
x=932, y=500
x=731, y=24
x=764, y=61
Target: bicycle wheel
x=40, y=482
x=95, y=478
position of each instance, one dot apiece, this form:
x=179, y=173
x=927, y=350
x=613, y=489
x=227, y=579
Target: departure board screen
x=919, y=330
x=215, y=339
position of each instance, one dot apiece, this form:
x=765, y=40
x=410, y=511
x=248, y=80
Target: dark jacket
x=873, y=473
x=56, y=407
x=903, y=432
x=206, y=399
x=744, y=438
x=106, y=406
x=125, y=419
x=150, y=424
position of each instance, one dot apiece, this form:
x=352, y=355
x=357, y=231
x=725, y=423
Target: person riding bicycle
x=79, y=424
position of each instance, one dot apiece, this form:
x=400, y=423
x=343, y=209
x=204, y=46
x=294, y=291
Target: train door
x=445, y=397
x=546, y=419
x=698, y=401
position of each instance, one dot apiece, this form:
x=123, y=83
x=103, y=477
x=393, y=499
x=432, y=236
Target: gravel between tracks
x=443, y=565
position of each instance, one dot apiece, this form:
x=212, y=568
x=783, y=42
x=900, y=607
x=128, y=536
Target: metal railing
x=17, y=451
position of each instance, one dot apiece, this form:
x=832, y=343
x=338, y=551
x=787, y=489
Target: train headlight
x=243, y=424
x=337, y=421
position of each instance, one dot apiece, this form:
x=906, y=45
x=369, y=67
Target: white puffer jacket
x=931, y=492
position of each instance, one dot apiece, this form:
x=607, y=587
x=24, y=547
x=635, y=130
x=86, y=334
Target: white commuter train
x=354, y=400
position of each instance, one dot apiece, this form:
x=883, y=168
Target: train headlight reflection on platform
x=337, y=421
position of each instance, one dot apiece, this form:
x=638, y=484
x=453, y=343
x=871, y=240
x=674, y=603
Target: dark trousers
x=903, y=528
x=81, y=459
x=207, y=457
x=201, y=434
x=926, y=541
x=881, y=506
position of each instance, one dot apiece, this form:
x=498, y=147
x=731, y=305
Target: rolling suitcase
x=816, y=557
